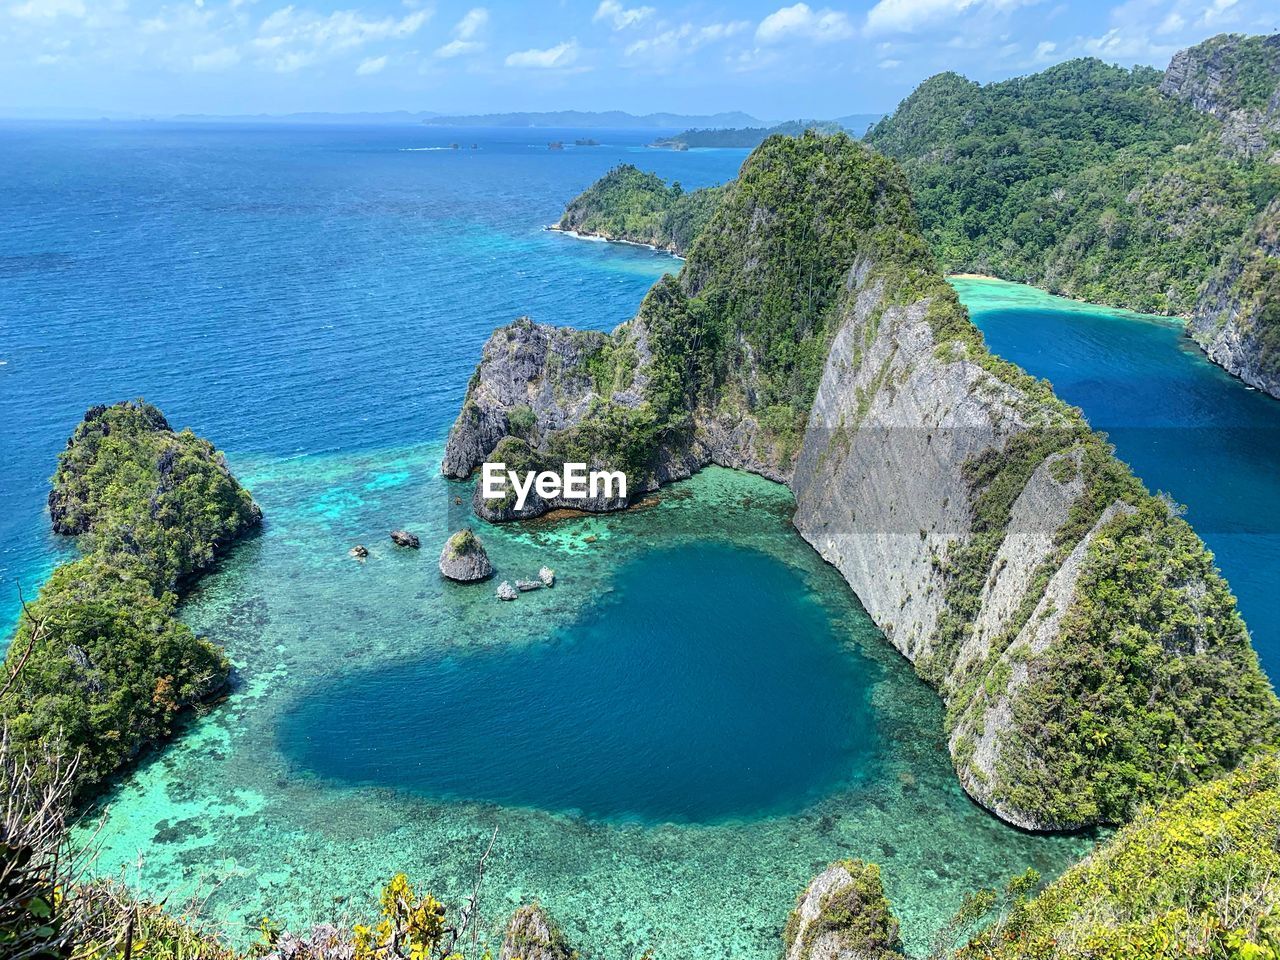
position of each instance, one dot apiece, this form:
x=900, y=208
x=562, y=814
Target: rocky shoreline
x=600, y=237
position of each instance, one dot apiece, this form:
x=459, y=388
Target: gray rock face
x=531, y=935
x=1239, y=303
x=1206, y=76
x=532, y=379
x=524, y=586
x=547, y=576
x=843, y=915
x=463, y=558
x=359, y=551
x=403, y=538
x=506, y=591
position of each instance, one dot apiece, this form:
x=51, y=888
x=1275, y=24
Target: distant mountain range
x=752, y=137
x=609, y=119
x=392, y=118
x=859, y=123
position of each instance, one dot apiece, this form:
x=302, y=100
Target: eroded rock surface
x=464, y=559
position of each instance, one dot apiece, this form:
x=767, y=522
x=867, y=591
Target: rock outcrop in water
x=102, y=667
x=1237, y=318
x=532, y=935
x=843, y=915
x=403, y=538
x=1073, y=624
x=464, y=558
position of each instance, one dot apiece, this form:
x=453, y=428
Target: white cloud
x=803, y=23
x=683, y=40
x=218, y=59
x=1214, y=12
x=907, y=16
x=471, y=24
x=1172, y=23
x=371, y=66
x=291, y=38
x=340, y=30
x=458, y=48
x=464, y=32
x=889, y=64
x=561, y=55
x=1045, y=49
x=620, y=16
x=49, y=9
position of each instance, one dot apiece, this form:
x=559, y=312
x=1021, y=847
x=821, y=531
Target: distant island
x=584, y=119
x=627, y=205
x=747, y=137
x=859, y=123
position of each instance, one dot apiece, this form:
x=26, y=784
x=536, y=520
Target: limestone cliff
x=843, y=915
x=1237, y=80
x=1237, y=318
x=1090, y=656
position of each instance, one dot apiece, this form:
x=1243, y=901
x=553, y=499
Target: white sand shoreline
x=597, y=238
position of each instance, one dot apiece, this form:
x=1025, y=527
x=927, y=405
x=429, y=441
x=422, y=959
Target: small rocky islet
x=464, y=559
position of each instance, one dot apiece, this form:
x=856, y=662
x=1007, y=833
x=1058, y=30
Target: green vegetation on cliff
x=1198, y=877
x=843, y=913
x=628, y=204
x=106, y=667
x=1144, y=684
x=771, y=265
x=1084, y=179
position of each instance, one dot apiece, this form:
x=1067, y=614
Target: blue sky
x=773, y=59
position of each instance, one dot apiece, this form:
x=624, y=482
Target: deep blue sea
x=670, y=742
x=286, y=291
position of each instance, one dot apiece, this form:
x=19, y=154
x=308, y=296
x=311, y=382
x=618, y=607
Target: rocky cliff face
x=1236, y=79
x=843, y=915
x=1237, y=318
x=1073, y=624
x=532, y=935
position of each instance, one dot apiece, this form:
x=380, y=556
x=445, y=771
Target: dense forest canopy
x=1084, y=179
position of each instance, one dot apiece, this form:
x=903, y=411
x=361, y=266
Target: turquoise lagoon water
x=670, y=742
x=665, y=701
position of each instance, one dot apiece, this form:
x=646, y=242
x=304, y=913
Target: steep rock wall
x=1237, y=318
x=1089, y=654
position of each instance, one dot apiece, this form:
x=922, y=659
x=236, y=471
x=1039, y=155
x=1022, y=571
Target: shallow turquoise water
x=666, y=701
x=235, y=806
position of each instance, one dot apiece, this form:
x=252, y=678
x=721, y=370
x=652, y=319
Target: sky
x=773, y=59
